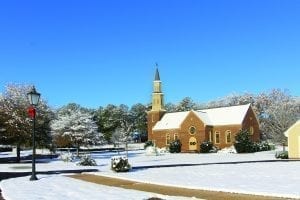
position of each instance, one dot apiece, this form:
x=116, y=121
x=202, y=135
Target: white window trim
x=215, y=138
x=168, y=136
x=251, y=130
x=210, y=136
x=228, y=132
x=176, y=135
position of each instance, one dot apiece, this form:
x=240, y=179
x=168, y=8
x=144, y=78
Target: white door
x=192, y=144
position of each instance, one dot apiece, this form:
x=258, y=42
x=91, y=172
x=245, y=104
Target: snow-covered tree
x=126, y=126
x=186, y=104
x=277, y=111
x=77, y=124
x=17, y=124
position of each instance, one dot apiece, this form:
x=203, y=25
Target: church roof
x=232, y=115
x=226, y=115
x=171, y=120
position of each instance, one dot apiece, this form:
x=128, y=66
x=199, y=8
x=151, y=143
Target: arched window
x=168, y=139
x=228, y=136
x=251, y=130
x=176, y=136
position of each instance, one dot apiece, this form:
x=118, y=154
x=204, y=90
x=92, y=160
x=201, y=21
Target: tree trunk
x=18, y=153
x=126, y=147
x=78, y=146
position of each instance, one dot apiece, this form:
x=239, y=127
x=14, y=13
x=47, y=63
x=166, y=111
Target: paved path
x=7, y=175
x=167, y=190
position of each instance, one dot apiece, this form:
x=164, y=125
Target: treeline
x=74, y=125
x=276, y=110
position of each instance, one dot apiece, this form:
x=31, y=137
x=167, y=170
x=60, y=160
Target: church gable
x=250, y=117
x=192, y=120
x=251, y=123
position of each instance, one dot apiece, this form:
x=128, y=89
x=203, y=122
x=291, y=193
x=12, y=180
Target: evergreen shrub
x=148, y=143
x=282, y=155
x=264, y=146
x=87, y=160
x=175, y=146
x=206, y=147
x=120, y=164
x=5, y=148
x=243, y=143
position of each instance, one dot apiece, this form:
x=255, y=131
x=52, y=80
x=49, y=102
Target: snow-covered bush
x=155, y=151
x=230, y=149
x=282, y=155
x=162, y=150
x=175, y=146
x=120, y=164
x=67, y=157
x=4, y=148
x=152, y=151
x=206, y=147
x=261, y=146
x=87, y=160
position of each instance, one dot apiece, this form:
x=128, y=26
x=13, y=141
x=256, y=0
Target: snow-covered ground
x=263, y=178
x=59, y=187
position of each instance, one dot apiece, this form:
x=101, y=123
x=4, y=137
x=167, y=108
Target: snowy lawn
x=61, y=188
x=270, y=178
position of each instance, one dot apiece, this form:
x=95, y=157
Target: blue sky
x=98, y=52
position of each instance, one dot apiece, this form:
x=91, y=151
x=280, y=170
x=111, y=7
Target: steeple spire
x=157, y=78
x=157, y=94
x=157, y=109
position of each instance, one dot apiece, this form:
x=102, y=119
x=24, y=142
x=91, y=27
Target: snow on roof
x=214, y=117
x=226, y=115
x=204, y=117
x=171, y=120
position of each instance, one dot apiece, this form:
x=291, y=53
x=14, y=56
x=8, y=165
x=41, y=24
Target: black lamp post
x=33, y=97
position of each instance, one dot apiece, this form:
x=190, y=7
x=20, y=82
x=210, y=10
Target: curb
x=213, y=163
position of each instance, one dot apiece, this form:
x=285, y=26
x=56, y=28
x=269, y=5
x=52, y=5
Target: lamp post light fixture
x=33, y=97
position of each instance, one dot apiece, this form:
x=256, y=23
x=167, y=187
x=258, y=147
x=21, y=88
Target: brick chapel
x=218, y=125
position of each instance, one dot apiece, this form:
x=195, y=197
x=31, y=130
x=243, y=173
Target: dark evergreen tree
x=175, y=146
x=206, y=147
x=243, y=142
